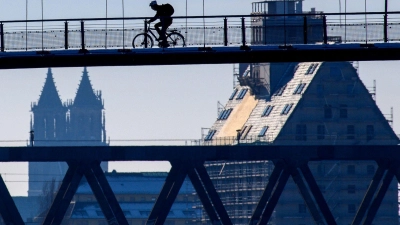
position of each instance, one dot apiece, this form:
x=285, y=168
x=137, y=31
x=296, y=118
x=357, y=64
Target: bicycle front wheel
x=139, y=41
x=176, y=40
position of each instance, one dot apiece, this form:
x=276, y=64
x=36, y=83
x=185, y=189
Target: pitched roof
x=85, y=96
x=136, y=183
x=275, y=118
x=49, y=97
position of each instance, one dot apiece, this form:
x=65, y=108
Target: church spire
x=85, y=96
x=49, y=97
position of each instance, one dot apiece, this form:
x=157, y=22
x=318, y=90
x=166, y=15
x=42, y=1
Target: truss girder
x=288, y=163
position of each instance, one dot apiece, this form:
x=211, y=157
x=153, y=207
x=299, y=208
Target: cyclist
x=164, y=13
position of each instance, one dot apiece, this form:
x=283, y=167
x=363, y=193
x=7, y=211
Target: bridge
x=208, y=40
x=84, y=42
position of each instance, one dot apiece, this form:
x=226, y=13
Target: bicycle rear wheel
x=139, y=41
x=176, y=40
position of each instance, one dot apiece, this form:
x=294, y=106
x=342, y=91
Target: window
x=321, y=132
x=343, y=111
x=233, y=94
x=299, y=89
x=370, y=169
x=351, y=189
x=224, y=114
x=127, y=213
x=267, y=111
x=301, y=132
x=351, y=132
x=328, y=112
x=351, y=169
x=263, y=131
x=210, y=135
x=370, y=132
x=280, y=92
x=286, y=109
x=245, y=132
x=311, y=68
x=241, y=94
x=351, y=208
x=302, y=208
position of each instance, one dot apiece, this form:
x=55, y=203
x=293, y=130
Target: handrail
x=205, y=17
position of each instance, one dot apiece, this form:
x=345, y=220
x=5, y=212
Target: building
x=75, y=123
x=136, y=194
x=318, y=103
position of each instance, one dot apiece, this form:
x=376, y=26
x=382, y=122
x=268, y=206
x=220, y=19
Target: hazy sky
x=160, y=102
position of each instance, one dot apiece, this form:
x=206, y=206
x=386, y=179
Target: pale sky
x=159, y=102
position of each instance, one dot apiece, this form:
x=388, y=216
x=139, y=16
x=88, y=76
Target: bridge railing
x=240, y=30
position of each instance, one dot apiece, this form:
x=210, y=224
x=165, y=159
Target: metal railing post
x=305, y=35
x=325, y=30
x=83, y=35
x=1, y=37
x=225, y=32
x=66, y=35
x=385, y=31
x=145, y=31
x=385, y=23
x=243, y=32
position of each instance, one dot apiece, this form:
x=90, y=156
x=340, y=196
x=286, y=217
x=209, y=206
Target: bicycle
x=174, y=39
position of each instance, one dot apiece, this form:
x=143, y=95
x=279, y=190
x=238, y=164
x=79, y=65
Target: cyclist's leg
x=157, y=27
x=165, y=24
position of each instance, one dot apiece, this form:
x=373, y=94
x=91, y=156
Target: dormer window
x=299, y=89
x=311, y=68
x=224, y=114
x=280, y=92
x=263, y=131
x=210, y=135
x=233, y=94
x=286, y=109
x=241, y=94
x=267, y=111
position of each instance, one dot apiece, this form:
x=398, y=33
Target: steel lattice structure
x=290, y=161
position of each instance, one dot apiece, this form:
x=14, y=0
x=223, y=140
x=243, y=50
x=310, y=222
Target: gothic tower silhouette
x=76, y=123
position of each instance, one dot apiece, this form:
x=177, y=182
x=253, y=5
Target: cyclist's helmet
x=153, y=3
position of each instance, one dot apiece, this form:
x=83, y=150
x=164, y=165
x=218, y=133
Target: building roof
x=85, y=96
x=136, y=183
x=91, y=210
x=49, y=98
x=273, y=119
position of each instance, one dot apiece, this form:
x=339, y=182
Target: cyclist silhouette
x=164, y=13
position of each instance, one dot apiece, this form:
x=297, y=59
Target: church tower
x=76, y=123
x=49, y=125
x=86, y=122
x=49, y=115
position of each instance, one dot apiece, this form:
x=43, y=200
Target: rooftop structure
x=317, y=103
x=75, y=123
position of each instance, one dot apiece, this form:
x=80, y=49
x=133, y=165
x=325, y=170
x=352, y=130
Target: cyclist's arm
x=154, y=18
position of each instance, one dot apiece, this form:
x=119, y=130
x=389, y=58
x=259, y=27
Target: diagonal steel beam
x=272, y=181
x=98, y=193
x=319, y=198
x=178, y=170
x=65, y=194
x=369, y=195
x=269, y=209
x=212, y=193
x=379, y=197
x=8, y=210
x=203, y=196
x=108, y=193
x=306, y=195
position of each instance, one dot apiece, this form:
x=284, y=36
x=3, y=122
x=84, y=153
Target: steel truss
x=290, y=161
